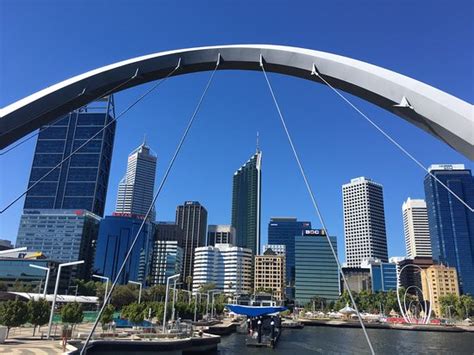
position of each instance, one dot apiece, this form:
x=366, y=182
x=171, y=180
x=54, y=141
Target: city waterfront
x=325, y=340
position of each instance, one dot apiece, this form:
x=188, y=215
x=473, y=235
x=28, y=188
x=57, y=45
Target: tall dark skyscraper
x=192, y=218
x=80, y=182
x=283, y=231
x=451, y=223
x=246, y=203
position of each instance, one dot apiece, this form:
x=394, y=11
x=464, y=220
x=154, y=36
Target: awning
x=254, y=311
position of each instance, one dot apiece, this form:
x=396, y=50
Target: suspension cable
x=315, y=205
x=115, y=88
x=392, y=140
x=93, y=136
x=160, y=188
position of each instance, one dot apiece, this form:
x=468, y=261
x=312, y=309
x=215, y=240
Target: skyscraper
x=135, y=191
x=116, y=234
x=416, y=229
x=220, y=234
x=192, y=218
x=451, y=223
x=246, y=203
x=81, y=181
x=283, y=231
x=316, y=272
x=364, y=221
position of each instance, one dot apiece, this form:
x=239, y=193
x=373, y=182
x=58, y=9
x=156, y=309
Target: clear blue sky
x=43, y=42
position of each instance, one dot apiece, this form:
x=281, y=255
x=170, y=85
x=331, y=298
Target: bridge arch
x=442, y=115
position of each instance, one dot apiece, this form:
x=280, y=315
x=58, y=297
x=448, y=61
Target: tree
x=207, y=287
x=465, y=306
x=134, y=312
x=86, y=288
x=3, y=287
x=38, y=313
x=107, y=315
x=72, y=313
x=123, y=295
x=155, y=293
x=13, y=314
x=448, y=305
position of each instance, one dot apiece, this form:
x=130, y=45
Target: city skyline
x=398, y=175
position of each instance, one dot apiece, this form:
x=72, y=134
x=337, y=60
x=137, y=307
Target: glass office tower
x=116, y=234
x=283, y=231
x=451, y=223
x=316, y=273
x=246, y=203
x=81, y=181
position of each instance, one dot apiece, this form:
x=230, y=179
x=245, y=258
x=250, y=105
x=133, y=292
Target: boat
x=263, y=324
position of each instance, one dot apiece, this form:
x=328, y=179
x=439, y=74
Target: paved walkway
x=30, y=347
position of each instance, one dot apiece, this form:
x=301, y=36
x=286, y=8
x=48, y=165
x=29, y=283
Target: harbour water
x=329, y=340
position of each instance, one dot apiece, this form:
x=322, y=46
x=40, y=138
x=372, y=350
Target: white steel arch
x=442, y=115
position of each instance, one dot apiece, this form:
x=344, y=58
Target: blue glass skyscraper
x=451, y=223
x=283, y=231
x=81, y=181
x=116, y=234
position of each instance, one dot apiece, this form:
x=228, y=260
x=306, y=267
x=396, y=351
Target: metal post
x=47, y=269
x=140, y=290
x=58, y=276
x=212, y=307
x=174, y=297
x=166, y=298
x=195, y=305
x=106, y=286
x=207, y=306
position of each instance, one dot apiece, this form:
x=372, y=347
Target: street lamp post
x=47, y=269
x=139, y=292
x=58, y=276
x=174, y=299
x=174, y=277
x=106, y=285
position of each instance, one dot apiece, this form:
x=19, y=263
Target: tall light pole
x=58, y=276
x=47, y=269
x=106, y=284
x=214, y=292
x=140, y=292
x=174, y=298
x=174, y=277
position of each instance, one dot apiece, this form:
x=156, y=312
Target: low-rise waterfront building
x=442, y=280
x=316, y=269
x=270, y=274
x=228, y=267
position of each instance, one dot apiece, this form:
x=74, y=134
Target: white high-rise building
x=227, y=266
x=135, y=191
x=220, y=234
x=416, y=228
x=364, y=221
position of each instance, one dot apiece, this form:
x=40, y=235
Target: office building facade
x=270, y=274
x=220, y=234
x=451, y=223
x=135, y=191
x=364, y=221
x=358, y=279
x=116, y=235
x=228, y=267
x=316, y=272
x=442, y=281
x=383, y=275
x=246, y=203
x=62, y=235
x=283, y=231
x=81, y=181
x=169, y=231
x=416, y=228
x=278, y=249
x=167, y=261
x=191, y=217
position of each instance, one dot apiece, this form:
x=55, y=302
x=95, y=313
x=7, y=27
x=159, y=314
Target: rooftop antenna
x=144, y=139
x=258, y=143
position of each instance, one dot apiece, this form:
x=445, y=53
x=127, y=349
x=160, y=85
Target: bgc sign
x=314, y=232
